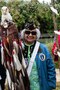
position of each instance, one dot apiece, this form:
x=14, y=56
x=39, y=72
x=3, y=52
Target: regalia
x=13, y=59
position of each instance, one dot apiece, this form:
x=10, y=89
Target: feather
x=0, y=87
x=6, y=16
x=15, y=45
x=17, y=64
x=8, y=78
x=58, y=53
x=23, y=62
x=2, y=54
x=54, y=10
x=57, y=32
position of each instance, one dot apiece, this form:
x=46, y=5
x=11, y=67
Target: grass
x=58, y=86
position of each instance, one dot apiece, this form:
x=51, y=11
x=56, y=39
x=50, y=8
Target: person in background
x=56, y=48
x=39, y=63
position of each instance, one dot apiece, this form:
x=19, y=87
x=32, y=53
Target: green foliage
x=23, y=12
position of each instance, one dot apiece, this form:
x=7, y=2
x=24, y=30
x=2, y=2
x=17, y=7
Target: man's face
x=30, y=36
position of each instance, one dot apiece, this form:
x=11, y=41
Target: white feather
x=8, y=78
x=17, y=64
x=2, y=54
x=58, y=53
x=23, y=62
x=54, y=10
x=6, y=16
x=15, y=45
x=0, y=87
x=57, y=32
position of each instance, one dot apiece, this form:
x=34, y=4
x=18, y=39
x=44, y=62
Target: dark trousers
x=2, y=73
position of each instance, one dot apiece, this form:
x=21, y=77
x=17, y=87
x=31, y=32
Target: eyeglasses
x=32, y=32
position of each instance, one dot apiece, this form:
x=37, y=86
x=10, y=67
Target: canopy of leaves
x=23, y=12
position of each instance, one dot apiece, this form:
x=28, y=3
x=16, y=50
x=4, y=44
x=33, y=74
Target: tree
x=54, y=16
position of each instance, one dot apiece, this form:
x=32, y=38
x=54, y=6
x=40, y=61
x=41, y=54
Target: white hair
x=37, y=31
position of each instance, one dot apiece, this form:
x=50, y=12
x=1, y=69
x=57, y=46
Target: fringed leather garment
x=13, y=58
